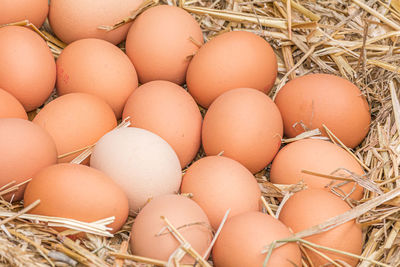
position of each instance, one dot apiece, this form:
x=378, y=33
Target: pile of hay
x=355, y=39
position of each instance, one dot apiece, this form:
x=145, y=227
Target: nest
x=355, y=39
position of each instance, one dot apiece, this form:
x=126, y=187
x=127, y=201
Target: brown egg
x=159, y=43
x=27, y=67
x=74, y=20
x=33, y=10
x=309, y=101
x=25, y=149
x=318, y=156
x=150, y=238
x=231, y=60
x=218, y=184
x=314, y=206
x=10, y=107
x=244, y=236
x=167, y=110
x=245, y=125
x=96, y=67
x=77, y=192
x=76, y=121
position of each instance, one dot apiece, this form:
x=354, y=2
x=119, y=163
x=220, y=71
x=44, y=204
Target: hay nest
x=355, y=39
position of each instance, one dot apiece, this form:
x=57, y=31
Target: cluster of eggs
x=230, y=76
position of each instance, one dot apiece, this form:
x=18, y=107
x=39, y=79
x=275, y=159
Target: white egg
x=141, y=162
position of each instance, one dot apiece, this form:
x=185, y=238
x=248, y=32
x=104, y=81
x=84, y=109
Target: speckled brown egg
x=244, y=124
x=27, y=67
x=160, y=44
x=317, y=156
x=25, y=149
x=75, y=121
x=77, y=192
x=73, y=20
x=314, y=206
x=220, y=183
x=96, y=67
x=167, y=110
x=10, y=107
x=150, y=237
x=308, y=102
x=228, y=61
x=244, y=236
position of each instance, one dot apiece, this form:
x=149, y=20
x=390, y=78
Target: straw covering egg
x=150, y=237
x=35, y=11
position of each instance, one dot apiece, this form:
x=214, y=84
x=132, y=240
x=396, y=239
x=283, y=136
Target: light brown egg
x=167, y=110
x=159, y=43
x=25, y=149
x=231, y=60
x=141, y=162
x=218, y=184
x=34, y=11
x=75, y=121
x=245, y=125
x=27, y=67
x=96, y=67
x=318, y=156
x=309, y=101
x=77, y=192
x=244, y=236
x=73, y=20
x=150, y=238
x=314, y=206
x=10, y=107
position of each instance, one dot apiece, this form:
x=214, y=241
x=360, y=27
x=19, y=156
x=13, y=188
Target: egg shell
x=10, y=107
x=141, y=162
x=35, y=11
x=150, y=238
x=218, y=184
x=75, y=121
x=27, y=67
x=77, y=192
x=167, y=110
x=244, y=236
x=159, y=43
x=318, y=156
x=312, y=100
x=228, y=61
x=245, y=125
x=73, y=20
x=314, y=206
x=96, y=67
x=25, y=149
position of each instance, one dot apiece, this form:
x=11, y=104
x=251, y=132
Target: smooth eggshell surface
x=25, y=149
x=167, y=110
x=318, y=156
x=314, y=206
x=75, y=121
x=77, y=192
x=245, y=125
x=10, y=107
x=159, y=43
x=218, y=184
x=141, y=162
x=96, y=67
x=151, y=239
x=308, y=102
x=244, y=236
x=35, y=11
x=231, y=60
x=27, y=66
x=74, y=20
